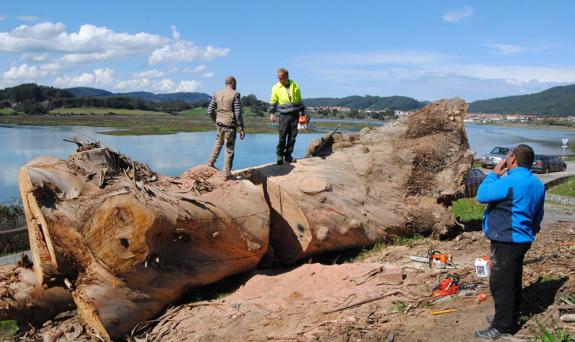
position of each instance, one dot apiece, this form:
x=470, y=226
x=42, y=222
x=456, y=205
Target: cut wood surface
x=129, y=242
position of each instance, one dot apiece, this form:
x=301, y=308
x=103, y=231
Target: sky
x=423, y=49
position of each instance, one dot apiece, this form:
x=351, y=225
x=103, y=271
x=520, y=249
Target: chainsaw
x=448, y=286
x=452, y=285
x=435, y=259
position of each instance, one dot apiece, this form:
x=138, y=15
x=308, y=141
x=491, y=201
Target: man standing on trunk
x=512, y=219
x=286, y=99
x=225, y=109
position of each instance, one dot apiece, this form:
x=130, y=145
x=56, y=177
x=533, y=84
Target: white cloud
x=511, y=49
x=506, y=49
x=35, y=57
x=100, y=77
x=208, y=75
x=23, y=72
x=154, y=73
x=456, y=15
x=29, y=18
x=184, y=51
x=373, y=58
x=52, y=37
x=165, y=85
x=388, y=72
x=195, y=69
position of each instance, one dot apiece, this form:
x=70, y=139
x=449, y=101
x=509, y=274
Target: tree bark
x=130, y=242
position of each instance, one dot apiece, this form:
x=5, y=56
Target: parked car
x=545, y=164
x=498, y=153
x=472, y=180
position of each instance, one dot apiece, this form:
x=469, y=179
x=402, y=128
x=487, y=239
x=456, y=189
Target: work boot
x=280, y=160
x=489, y=334
x=289, y=159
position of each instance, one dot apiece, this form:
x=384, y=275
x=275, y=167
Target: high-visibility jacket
x=284, y=101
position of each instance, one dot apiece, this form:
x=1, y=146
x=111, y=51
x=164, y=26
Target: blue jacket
x=515, y=205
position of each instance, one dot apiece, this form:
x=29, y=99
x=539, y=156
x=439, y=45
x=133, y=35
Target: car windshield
x=500, y=150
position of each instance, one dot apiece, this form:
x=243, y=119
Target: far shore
x=162, y=123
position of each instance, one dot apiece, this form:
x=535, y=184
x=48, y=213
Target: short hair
x=283, y=71
x=524, y=154
x=230, y=80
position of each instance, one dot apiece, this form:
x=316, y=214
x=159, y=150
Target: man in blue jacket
x=512, y=218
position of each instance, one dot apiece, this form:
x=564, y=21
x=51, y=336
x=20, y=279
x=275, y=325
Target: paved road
x=12, y=258
x=550, y=177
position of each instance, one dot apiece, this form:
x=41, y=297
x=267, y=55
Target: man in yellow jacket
x=286, y=99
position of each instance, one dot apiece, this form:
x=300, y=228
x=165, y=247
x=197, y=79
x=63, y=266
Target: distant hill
x=367, y=102
x=89, y=92
x=142, y=95
x=556, y=101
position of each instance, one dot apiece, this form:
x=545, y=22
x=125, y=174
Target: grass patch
x=398, y=307
x=467, y=210
x=103, y=111
x=8, y=330
x=557, y=335
x=408, y=241
x=6, y=111
x=548, y=277
x=564, y=189
x=379, y=246
x=11, y=215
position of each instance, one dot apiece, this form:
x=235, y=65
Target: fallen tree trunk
x=394, y=180
x=130, y=242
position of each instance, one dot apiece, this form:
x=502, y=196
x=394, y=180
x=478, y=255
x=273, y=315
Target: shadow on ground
x=539, y=295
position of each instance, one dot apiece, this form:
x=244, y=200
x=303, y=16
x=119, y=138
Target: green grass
x=379, y=246
x=564, y=189
x=8, y=330
x=202, y=111
x=557, y=335
x=548, y=277
x=6, y=111
x=467, y=210
x=198, y=111
x=398, y=307
x=103, y=111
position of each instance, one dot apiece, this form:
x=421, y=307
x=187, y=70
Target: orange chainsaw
x=435, y=259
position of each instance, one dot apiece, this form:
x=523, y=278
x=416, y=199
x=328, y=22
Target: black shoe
x=280, y=161
x=289, y=159
x=489, y=334
x=490, y=318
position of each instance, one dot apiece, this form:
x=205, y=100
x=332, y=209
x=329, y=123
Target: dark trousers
x=287, y=134
x=506, y=283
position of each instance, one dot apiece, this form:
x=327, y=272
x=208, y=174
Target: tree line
x=36, y=99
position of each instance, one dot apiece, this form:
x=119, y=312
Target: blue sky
x=424, y=49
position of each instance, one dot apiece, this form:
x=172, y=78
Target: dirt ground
x=348, y=297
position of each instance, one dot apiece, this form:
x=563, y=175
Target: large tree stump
x=129, y=242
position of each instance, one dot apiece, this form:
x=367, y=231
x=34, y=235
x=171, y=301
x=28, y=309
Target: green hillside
x=556, y=101
x=367, y=102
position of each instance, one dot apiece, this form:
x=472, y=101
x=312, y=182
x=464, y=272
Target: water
x=172, y=154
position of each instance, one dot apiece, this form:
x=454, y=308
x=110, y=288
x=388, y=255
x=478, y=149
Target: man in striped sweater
x=225, y=109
